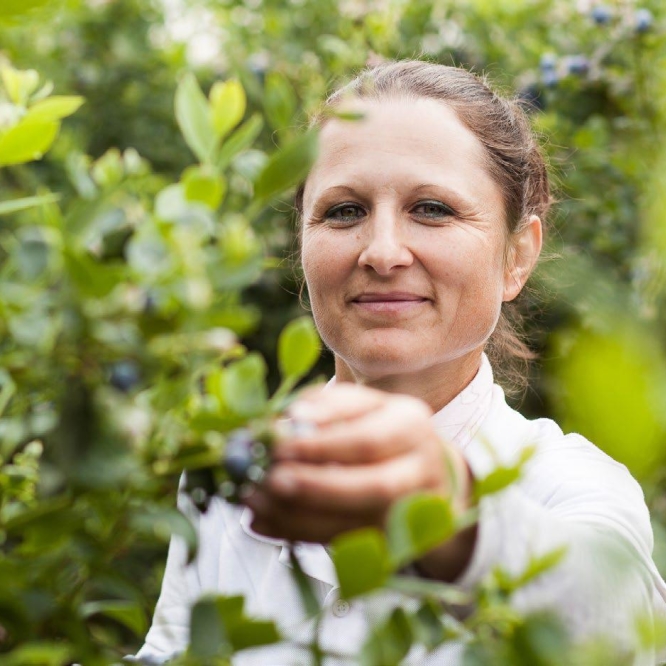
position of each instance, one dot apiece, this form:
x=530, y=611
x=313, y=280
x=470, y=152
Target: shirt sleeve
x=575, y=497
x=170, y=630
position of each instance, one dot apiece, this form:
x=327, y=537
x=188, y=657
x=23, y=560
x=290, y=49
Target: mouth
x=394, y=301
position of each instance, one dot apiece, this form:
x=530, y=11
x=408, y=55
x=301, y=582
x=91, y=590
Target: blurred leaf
x=249, y=633
x=39, y=653
x=27, y=141
x=208, y=636
x=204, y=186
x=194, y=118
x=279, y=101
x=612, y=389
x=19, y=84
x=129, y=614
x=245, y=385
x=240, y=140
x=227, y=102
x=11, y=8
x=389, y=642
x=311, y=605
x=16, y=205
x=416, y=524
x=54, y=108
x=535, y=568
x=361, y=560
x=287, y=167
x=427, y=625
x=298, y=348
x=502, y=477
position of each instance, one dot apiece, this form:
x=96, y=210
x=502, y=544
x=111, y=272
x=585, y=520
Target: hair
x=514, y=160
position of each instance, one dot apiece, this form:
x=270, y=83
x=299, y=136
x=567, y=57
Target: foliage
x=132, y=282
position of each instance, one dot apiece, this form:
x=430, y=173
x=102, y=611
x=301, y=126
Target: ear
x=523, y=255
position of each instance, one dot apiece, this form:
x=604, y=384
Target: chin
x=386, y=362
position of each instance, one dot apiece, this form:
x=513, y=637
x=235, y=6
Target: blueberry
x=578, y=65
x=124, y=376
x=550, y=79
x=548, y=62
x=238, y=456
x=601, y=15
x=644, y=19
x=532, y=97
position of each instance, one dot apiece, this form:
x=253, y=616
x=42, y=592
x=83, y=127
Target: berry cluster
x=244, y=462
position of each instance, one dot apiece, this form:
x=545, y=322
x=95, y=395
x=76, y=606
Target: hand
x=368, y=449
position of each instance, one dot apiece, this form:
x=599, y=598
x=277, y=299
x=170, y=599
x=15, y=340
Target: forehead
x=402, y=142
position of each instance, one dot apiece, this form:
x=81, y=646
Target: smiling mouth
x=387, y=303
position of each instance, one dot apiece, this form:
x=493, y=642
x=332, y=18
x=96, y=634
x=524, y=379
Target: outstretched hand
x=365, y=449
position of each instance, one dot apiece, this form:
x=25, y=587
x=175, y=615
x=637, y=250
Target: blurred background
x=592, y=76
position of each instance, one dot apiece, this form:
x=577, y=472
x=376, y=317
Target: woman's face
x=404, y=240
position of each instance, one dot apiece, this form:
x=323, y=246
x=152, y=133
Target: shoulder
x=566, y=473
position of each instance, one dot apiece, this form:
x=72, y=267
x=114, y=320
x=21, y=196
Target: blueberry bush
x=149, y=307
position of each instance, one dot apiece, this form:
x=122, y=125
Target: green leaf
x=279, y=101
x=204, y=185
x=427, y=625
x=19, y=84
x=361, y=560
x=298, y=348
x=16, y=205
x=219, y=628
x=12, y=8
x=249, y=633
x=389, y=642
x=612, y=389
x=418, y=523
x=245, y=385
x=208, y=637
x=54, y=108
x=240, y=140
x=227, y=103
x=39, y=653
x=128, y=613
x=287, y=167
x=535, y=568
x=304, y=584
x=502, y=477
x=194, y=118
x=27, y=141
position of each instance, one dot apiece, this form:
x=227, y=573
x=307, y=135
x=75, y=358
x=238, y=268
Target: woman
x=417, y=224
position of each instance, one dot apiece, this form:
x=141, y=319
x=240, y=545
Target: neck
x=436, y=385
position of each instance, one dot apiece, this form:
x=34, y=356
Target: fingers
x=343, y=401
x=361, y=488
x=283, y=519
x=366, y=431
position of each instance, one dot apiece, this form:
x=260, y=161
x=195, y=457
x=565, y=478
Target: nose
x=385, y=248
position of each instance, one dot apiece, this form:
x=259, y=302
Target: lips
x=389, y=302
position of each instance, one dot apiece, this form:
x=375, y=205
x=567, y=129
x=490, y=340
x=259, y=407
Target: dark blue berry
x=644, y=19
x=124, y=376
x=532, y=96
x=601, y=15
x=548, y=62
x=238, y=455
x=578, y=65
x=550, y=79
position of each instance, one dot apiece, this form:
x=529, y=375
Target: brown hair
x=515, y=161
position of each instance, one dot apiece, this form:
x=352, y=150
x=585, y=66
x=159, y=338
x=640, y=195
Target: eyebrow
x=459, y=201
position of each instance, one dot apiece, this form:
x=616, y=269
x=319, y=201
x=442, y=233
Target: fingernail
x=283, y=481
x=302, y=411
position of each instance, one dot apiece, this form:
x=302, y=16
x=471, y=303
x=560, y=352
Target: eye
x=345, y=212
x=433, y=209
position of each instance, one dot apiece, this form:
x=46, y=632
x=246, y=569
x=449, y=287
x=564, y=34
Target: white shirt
x=571, y=494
